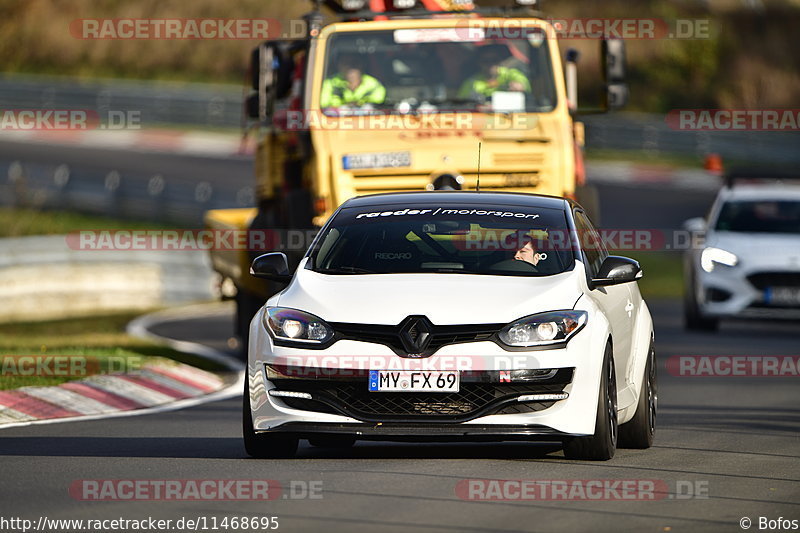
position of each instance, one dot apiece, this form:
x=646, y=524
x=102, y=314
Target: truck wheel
x=639, y=431
x=602, y=445
x=261, y=445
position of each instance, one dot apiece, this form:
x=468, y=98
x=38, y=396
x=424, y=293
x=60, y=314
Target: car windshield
x=460, y=239
x=762, y=216
x=436, y=69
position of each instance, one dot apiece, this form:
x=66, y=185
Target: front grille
x=352, y=398
x=763, y=280
x=390, y=335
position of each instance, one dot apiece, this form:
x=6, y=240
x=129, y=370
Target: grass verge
x=665, y=159
x=663, y=274
x=23, y=222
x=91, y=345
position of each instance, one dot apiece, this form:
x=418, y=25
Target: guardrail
x=162, y=198
x=200, y=105
x=110, y=193
x=203, y=105
x=44, y=278
x=651, y=135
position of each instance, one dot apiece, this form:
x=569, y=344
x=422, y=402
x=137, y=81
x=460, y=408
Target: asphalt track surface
x=734, y=442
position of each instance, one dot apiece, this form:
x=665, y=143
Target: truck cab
x=441, y=96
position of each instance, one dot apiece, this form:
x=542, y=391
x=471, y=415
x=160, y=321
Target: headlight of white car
x=713, y=255
x=543, y=329
x=296, y=326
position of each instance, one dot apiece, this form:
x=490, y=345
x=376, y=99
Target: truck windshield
x=435, y=70
x=459, y=239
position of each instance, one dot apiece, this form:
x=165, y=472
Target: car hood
x=443, y=298
x=760, y=250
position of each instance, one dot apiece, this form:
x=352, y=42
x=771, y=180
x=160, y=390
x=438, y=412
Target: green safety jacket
x=336, y=92
x=480, y=84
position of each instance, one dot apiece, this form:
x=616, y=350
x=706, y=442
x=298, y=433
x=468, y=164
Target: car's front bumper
x=741, y=292
x=574, y=415
x=429, y=432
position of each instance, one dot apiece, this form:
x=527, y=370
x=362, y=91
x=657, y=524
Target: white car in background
x=551, y=339
x=748, y=265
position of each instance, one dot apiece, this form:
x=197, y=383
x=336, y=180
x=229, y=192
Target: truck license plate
x=376, y=160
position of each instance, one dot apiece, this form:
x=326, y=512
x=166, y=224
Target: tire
x=639, y=431
x=603, y=444
x=260, y=445
x=692, y=318
x=332, y=441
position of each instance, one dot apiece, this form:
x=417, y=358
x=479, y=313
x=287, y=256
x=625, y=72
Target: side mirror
x=251, y=105
x=616, y=95
x=695, y=225
x=271, y=68
x=616, y=270
x=613, y=53
x=571, y=74
x=272, y=266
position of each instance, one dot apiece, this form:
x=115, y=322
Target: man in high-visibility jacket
x=350, y=86
x=493, y=77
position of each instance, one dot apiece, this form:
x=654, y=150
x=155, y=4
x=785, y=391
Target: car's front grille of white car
x=391, y=336
x=479, y=398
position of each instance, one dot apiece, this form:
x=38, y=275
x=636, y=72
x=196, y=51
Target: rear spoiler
x=760, y=175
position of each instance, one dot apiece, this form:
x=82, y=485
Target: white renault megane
x=452, y=316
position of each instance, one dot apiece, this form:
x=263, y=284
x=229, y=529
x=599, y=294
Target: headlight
x=296, y=326
x=545, y=328
x=713, y=255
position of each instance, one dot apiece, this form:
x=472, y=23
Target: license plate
x=413, y=381
x=782, y=295
x=377, y=160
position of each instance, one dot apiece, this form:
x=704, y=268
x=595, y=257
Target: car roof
x=761, y=192
x=487, y=198
x=761, y=183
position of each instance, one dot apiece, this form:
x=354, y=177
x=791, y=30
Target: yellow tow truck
x=405, y=95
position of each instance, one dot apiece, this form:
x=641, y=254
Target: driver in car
x=492, y=76
x=351, y=86
x=527, y=252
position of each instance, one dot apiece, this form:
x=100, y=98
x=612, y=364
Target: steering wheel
x=514, y=265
